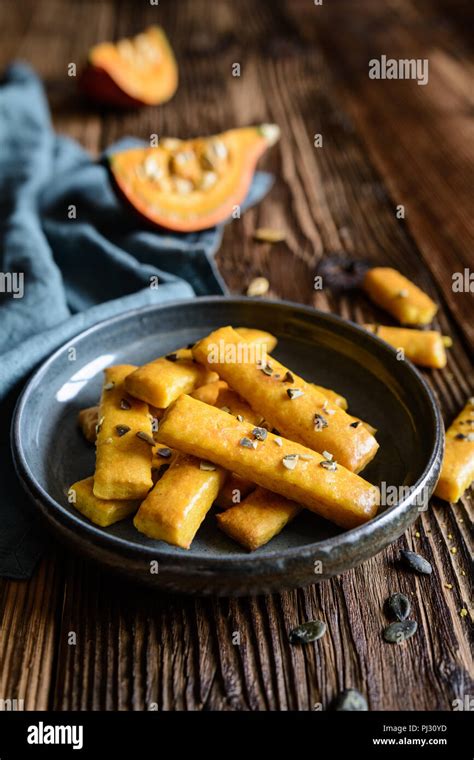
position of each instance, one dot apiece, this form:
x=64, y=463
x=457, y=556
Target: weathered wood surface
x=384, y=144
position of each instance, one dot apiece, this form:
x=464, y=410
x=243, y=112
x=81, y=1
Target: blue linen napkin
x=76, y=271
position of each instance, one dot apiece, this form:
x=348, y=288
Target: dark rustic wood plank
x=136, y=649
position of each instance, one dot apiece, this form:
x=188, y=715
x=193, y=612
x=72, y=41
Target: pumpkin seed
x=146, y=437
x=259, y=433
x=398, y=606
x=267, y=370
x=308, y=632
x=268, y=235
x=290, y=461
x=398, y=632
x=121, y=430
x=319, y=422
x=183, y=186
x=247, y=443
x=258, y=287
x=350, y=700
x=208, y=180
x=165, y=452
x=328, y=465
x=294, y=392
x=416, y=562
x=206, y=466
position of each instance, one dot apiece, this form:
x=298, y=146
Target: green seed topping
x=206, y=466
x=328, y=465
x=146, y=437
x=247, y=443
x=319, y=422
x=294, y=392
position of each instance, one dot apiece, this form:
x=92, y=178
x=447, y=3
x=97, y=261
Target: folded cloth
x=71, y=254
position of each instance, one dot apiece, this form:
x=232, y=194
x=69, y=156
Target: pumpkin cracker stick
x=103, y=512
x=291, y=405
x=257, y=519
x=457, y=471
x=275, y=463
x=424, y=347
x=404, y=300
x=161, y=381
x=219, y=394
x=176, y=506
x=124, y=441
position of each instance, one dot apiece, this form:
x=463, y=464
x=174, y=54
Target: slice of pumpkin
x=189, y=185
x=132, y=72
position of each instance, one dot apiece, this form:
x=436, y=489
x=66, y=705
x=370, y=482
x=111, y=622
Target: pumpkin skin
x=190, y=185
x=132, y=72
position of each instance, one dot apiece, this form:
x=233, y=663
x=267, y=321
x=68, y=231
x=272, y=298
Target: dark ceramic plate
x=50, y=452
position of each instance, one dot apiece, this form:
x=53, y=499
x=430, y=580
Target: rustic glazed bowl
x=50, y=452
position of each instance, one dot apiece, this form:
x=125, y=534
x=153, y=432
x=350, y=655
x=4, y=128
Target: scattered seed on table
x=307, y=632
x=398, y=606
x=258, y=287
x=398, y=632
x=350, y=700
x=269, y=235
x=416, y=562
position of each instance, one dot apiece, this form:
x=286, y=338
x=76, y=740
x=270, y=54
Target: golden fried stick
x=275, y=463
x=457, y=472
x=124, y=441
x=294, y=407
x=404, y=300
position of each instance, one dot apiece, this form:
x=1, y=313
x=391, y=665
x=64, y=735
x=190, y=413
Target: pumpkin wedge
x=132, y=72
x=189, y=185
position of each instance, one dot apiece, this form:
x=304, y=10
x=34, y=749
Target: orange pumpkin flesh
x=138, y=71
x=189, y=185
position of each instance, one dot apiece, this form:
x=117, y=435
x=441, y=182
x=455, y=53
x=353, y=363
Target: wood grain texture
x=305, y=67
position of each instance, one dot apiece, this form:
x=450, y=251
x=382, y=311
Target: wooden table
x=385, y=144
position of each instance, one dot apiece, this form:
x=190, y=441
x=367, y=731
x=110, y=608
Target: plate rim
x=246, y=561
